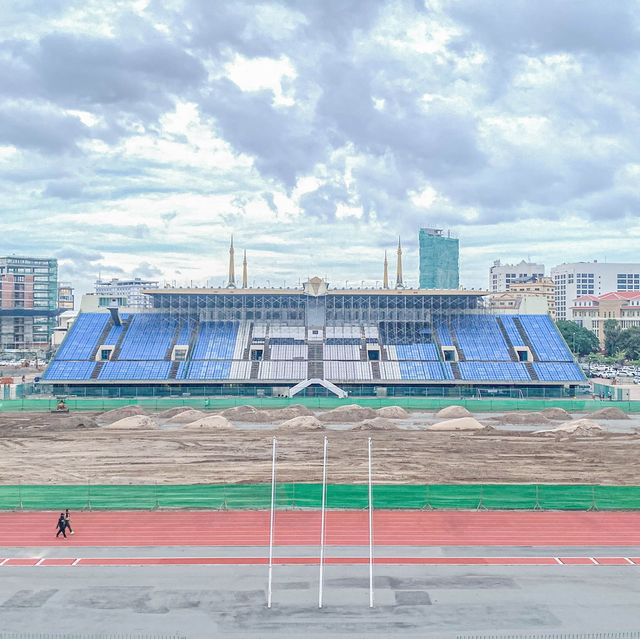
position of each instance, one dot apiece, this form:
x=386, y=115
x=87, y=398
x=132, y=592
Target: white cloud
x=146, y=132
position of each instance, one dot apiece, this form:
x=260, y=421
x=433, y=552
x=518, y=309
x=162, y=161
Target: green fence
x=291, y=496
x=410, y=403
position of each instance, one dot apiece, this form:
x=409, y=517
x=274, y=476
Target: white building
x=516, y=303
x=502, y=275
x=591, y=278
x=127, y=293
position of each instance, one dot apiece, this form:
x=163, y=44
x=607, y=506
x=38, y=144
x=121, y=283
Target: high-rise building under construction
x=439, y=259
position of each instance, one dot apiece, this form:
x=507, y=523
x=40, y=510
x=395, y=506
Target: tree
x=612, y=332
x=580, y=340
x=629, y=342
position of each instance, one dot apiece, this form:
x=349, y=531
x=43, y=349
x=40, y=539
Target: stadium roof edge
x=408, y=292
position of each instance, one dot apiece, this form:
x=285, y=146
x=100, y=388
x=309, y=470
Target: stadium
x=313, y=340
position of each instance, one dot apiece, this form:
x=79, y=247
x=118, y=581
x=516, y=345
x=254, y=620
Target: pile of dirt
x=608, y=413
x=290, y=412
x=460, y=423
x=240, y=413
x=577, y=428
x=392, y=412
x=186, y=417
x=254, y=415
x=134, y=422
x=522, y=418
x=554, y=413
x=79, y=421
x=213, y=422
x=303, y=422
x=453, y=412
x=119, y=413
x=377, y=423
x=348, y=414
x=172, y=412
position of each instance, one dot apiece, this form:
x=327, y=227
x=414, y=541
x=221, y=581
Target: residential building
x=66, y=298
x=537, y=286
x=512, y=303
x=439, y=259
x=129, y=292
x=591, y=311
x=28, y=302
x=65, y=321
x=501, y=276
x=591, y=278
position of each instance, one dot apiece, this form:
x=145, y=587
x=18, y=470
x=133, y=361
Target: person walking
x=67, y=520
x=61, y=526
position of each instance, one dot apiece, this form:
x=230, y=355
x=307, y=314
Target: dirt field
x=42, y=448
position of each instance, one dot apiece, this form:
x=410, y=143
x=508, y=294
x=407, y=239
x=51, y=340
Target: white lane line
x=4, y=561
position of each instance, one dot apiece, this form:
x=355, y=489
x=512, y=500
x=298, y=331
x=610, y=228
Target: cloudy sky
x=137, y=135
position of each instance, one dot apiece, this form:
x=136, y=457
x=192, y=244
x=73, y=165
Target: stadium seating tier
x=220, y=350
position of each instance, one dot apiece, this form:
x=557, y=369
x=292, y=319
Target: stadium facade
x=312, y=340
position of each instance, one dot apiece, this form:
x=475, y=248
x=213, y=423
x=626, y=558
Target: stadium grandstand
x=312, y=340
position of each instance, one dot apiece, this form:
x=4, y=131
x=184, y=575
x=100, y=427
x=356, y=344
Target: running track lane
x=344, y=528
x=315, y=561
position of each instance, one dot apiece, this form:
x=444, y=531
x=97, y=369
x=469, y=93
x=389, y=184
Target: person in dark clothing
x=62, y=526
x=67, y=520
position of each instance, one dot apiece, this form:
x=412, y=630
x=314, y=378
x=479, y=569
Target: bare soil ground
x=39, y=448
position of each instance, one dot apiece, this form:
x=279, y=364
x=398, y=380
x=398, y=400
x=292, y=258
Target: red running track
x=344, y=528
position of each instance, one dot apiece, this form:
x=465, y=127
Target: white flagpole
x=272, y=518
x=370, y=533
x=322, y=520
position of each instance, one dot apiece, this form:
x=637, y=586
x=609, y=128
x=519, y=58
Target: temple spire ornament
x=245, y=279
x=232, y=267
x=385, y=276
x=399, y=282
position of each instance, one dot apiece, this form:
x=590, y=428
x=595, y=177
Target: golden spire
x=244, y=270
x=399, y=282
x=232, y=268
x=385, y=276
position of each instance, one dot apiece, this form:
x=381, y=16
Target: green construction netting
x=410, y=403
x=339, y=496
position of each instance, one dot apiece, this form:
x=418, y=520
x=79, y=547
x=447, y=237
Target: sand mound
x=213, y=422
x=302, y=422
x=377, y=423
x=290, y=412
x=555, y=413
x=461, y=423
x=252, y=414
x=608, y=413
x=135, y=422
x=172, y=412
x=348, y=414
x=79, y=421
x=187, y=416
x=523, y=418
x=453, y=412
x=392, y=412
x=239, y=412
x=579, y=427
x=119, y=413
